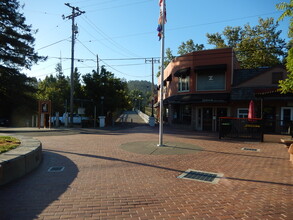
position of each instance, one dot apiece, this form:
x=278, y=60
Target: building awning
x=211, y=67
x=198, y=98
x=169, y=78
x=182, y=73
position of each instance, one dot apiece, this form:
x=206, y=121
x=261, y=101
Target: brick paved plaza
x=101, y=180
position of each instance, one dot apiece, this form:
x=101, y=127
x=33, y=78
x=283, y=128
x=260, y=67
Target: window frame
x=240, y=114
x=184, y=81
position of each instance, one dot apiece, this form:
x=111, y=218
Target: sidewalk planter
x=21, y=160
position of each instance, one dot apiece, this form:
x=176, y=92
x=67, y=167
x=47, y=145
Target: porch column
x=170, y=114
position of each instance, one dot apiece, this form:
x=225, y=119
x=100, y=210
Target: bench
x=287, y=141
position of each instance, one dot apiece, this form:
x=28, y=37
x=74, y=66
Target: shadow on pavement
x=167, y=168
x=27, y=197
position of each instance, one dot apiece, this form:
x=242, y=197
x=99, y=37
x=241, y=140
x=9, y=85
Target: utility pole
x=152, y=88
x=75, y=12
x=98, y=67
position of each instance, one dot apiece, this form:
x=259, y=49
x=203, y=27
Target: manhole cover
x=201, y=176
x=56, y=169
x=250, y=149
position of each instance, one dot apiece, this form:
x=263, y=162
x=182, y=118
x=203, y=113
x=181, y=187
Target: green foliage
x=8, y=143
x=16, y=53
x=189, y=47
x=168, y=58
x=255, y=46
x=287, y=84
x=140, y=85
x=139, y=93
x=287, y=9
x=114, y=91
x=56, y=89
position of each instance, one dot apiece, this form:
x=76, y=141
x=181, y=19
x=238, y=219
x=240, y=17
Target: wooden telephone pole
x=75, y=12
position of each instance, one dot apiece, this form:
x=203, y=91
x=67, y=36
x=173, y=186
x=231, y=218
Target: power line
x=53, y=43
x=110, y=40
x=86, y=47
x=119, y=6
x=122, y=72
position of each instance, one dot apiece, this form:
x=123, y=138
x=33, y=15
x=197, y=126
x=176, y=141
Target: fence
x=277, y=126
x=241, y=128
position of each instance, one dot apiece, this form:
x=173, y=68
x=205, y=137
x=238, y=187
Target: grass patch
x=8, y=143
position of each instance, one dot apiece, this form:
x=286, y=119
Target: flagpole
x=162, y=76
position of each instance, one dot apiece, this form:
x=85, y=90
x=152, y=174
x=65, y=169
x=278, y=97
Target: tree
x=189, y=47
x=140, y=91
x=56, y=89
x=168, y=58
x=255, y=46
x=113, y=90
x=16, y=53
x=287, y=84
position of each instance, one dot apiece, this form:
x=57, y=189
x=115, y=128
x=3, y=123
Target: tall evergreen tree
x=16, y=53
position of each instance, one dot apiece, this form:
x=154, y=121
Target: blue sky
x=123, y=33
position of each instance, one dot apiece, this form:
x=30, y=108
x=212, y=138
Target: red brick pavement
x=102, y=181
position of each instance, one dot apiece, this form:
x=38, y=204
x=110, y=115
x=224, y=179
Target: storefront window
x=186, y=114
x=182, y=114
x=210, y=81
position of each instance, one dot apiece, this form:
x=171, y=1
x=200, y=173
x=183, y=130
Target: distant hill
x=141, y=85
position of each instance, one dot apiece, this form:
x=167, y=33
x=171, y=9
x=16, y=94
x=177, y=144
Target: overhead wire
x=110, y=66
x=110, y=40
x=119, y=6
x=116, y=51
x=52, y=44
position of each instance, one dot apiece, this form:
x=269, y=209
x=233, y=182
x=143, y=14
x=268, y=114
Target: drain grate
x=55, y=169
x=250, y=149
x=201, y=176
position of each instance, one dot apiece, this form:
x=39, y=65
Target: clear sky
x=123, y=32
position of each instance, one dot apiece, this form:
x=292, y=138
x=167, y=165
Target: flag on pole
x=162, y=18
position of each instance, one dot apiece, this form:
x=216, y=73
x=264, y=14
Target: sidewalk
x=103, y=179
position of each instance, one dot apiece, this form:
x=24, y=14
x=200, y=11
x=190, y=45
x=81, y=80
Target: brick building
x=202, y=86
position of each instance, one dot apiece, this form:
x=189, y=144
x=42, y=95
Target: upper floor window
x=211, y=80
x=183, y=84
x=276, y=77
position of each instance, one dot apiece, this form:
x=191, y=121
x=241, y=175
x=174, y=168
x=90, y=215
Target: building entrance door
x=221, y=112
x=207, y=119
x=286, y=115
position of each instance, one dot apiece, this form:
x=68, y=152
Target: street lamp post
x=139, y=102
x=102, y=117
x=102, y=105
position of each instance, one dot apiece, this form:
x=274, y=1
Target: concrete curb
x=20, y=161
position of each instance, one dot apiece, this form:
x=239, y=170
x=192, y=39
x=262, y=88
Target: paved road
x=102, y=180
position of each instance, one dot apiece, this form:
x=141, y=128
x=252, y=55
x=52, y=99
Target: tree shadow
x=28, y=196
x=165, y=168
x=235, y=154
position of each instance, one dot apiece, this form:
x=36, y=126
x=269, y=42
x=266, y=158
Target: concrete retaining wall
x=20, y=161
x=143, y=116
